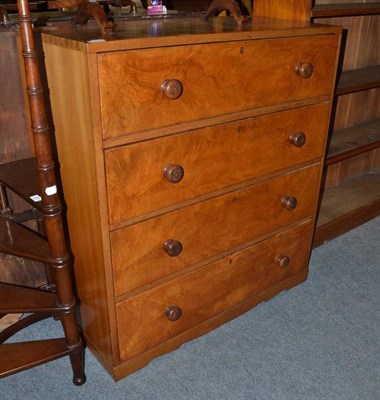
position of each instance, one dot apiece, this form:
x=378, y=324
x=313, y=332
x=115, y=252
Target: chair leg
x=74, y=340
x=65, y=293
x=77, y=364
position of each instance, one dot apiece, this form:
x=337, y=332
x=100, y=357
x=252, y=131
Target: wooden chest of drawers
x=191, y=166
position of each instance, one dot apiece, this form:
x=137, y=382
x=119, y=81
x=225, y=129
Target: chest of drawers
x=190, y=154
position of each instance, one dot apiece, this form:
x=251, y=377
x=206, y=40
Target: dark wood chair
x=34, y=180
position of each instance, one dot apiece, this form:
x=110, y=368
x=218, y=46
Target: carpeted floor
x=319, y=341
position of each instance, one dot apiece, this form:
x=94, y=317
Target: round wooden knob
x=298, y=139
x=304, y=69
x=172, y=88
x=290, y=203
x=173, y=247
x=173, y=173
x=173, y=313
x=282, y=261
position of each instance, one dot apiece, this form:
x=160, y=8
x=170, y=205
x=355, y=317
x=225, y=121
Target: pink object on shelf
x=155, y=9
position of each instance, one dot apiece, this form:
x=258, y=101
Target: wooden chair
x=34, y=180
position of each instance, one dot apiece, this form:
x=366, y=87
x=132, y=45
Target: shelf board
x=20, y=241
x=21, y=177
x=17, y=357
x=345, y=9
x=19, y=299
x=352, y=141
x=349, y=205
x=358, y=79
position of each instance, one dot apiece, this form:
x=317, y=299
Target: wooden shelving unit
x=351, y=192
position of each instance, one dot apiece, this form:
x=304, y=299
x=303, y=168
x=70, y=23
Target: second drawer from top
x=148, y=176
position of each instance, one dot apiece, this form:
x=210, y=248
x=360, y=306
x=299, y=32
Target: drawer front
x=143, y=177
x=209, y=228
x=206, y=292
x=137, y=86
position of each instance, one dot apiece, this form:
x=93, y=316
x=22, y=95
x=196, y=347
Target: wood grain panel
x=357, y=108
x=371, y=41
x=298, y=10
x=131, y=105
x=204, y=293
x=213, y=158
x=209, y=228
x=360, y=44
x=67, y=69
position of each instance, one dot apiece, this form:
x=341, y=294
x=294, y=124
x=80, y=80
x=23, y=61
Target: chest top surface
x=142, y=33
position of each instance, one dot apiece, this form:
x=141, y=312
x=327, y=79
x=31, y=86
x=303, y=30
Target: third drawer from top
x=152, y=249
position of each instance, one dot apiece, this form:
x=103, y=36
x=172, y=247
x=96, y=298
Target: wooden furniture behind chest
x=351, y=188
x=191, y=156
x=15, y=144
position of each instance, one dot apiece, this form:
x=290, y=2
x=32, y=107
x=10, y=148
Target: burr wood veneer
x=190, y=156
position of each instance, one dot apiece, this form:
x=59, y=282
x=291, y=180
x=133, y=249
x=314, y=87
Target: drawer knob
x=282, y=261
x=173, y=247
x=298, y=139
x=172, y=88
x=304, y=69
x=173, y=173
x=173, y=313
x=290, y=203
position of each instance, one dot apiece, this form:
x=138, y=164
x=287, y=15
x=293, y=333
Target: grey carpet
x=318, y=341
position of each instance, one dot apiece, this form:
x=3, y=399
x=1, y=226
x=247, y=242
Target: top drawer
x=136, y=86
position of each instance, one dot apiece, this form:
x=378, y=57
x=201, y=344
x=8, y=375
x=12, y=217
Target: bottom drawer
x=144, y=320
